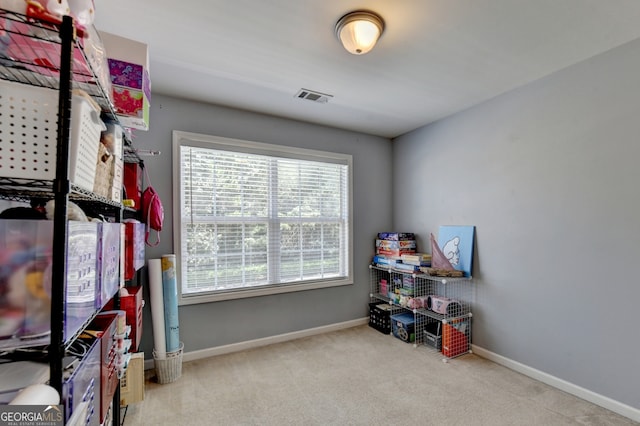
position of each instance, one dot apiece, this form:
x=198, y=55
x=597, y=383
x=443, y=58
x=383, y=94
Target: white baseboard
x=256, y=343
x=563, y=385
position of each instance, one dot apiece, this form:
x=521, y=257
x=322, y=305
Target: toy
x=416, y=303
x=37, y=9
x=25, y=288
x=82, y=10
x=404, y=300
x=58, y=8
x=29, y=286
x=52, y=11
x=74, y=212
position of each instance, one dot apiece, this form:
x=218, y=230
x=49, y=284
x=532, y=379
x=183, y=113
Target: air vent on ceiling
x=311, y=95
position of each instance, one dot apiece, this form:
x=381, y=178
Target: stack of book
x=398, y=250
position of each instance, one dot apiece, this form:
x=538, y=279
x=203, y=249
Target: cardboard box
x=128, y=74
x=132, y=107
x=129, y=69
x=132, y=384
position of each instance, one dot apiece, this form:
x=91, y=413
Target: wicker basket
x=169, y=369
x=104, y=172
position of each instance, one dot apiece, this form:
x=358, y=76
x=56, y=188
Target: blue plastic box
x=403, y=326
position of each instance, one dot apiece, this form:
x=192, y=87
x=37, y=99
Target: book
x=396, y=236
x=396, y=245
x=407, y=267
x=383, y=260
x=418, y=259
x=397, y=253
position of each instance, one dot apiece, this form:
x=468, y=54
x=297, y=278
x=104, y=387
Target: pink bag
x=152, y=212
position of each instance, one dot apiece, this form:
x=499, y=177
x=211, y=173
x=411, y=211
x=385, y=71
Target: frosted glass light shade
x=359, y=31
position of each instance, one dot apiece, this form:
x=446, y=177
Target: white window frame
x=181, y=138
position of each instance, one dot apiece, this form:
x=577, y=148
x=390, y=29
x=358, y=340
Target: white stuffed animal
x=83, y=11
x=74, y=212
x=58, y=8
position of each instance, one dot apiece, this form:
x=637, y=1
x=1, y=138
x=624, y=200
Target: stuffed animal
x=418, y=302
x=404, y=300
x=74, y=212
x=83, y=11
x=38, y=9
x=25, y=292
x=58, y=8
x=29, y=286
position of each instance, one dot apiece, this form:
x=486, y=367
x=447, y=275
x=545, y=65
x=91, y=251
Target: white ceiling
x=435, y=58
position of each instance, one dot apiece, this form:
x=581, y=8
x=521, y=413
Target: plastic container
x=28, y=121
x=169, y=369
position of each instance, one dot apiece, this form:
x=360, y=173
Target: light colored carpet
x=357, y=376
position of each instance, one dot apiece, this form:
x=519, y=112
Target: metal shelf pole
x=61, y=189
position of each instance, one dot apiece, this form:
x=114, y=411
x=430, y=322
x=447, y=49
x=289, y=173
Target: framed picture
x=456, y=242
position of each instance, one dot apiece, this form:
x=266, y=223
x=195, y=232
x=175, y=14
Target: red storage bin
x=455, y=336
x=132, y=304
x=133, y=248
x=104, y=325
x=133, y=183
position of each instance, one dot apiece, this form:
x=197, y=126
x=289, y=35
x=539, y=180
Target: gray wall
x=214, y=324
x=549, y=176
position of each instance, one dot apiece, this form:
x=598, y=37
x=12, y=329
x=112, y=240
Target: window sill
x=259, y=291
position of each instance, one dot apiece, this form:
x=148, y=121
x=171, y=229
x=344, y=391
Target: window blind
x=252, y=220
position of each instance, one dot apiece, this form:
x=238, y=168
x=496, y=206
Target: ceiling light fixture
x=359, y=31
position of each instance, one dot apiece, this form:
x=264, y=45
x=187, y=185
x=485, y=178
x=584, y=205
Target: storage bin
x=104, y=325
x=108, y=262
x=133, y=248
x=81, y=385
x=403, y=326
x=28, y=124
x=455, y=336
x=380, y=316
x=81, y=288
x=433, y=335
x=133, y=305
x=129, y=69
x=25, y=311
x=132, y=183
